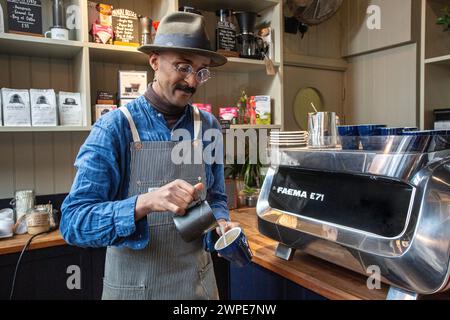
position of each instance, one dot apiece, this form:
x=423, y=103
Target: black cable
x=20, y=258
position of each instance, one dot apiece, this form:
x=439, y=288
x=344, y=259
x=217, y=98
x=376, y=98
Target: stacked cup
x=6, y=223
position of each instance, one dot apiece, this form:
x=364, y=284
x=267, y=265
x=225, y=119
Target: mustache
x=184, y=88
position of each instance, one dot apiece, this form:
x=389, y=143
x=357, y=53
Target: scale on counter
x=360, y=209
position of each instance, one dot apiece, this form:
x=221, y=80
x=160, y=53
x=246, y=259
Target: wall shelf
x=44, y=129
x=116, y=54
x=254, y=126
x=213, y=5
x=443, y=60
x=24, y=45
x=297, y=60
x=244, y=65
x=42, y=158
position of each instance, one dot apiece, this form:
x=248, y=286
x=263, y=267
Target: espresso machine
x=364, y=209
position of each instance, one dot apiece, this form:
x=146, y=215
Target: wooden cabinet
x=434, y=63
x=42, y=158
x=361, y=34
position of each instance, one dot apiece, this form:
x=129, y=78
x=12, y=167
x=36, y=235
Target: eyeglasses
x=185, y=69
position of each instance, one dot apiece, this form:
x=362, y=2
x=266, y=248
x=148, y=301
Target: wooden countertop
x=326, y=279
x=16, y=244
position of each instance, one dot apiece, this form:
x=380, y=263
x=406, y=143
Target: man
x=127, y=187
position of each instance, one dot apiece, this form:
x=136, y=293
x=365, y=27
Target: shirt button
x=159, y=115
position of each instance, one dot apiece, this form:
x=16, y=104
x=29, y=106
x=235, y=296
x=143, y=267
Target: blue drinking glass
x=349, y=137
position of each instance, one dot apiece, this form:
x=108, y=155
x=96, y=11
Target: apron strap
x=134, y=132
x=197, y=124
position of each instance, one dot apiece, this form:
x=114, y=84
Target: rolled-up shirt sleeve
x=91, y=217
x=217, y=197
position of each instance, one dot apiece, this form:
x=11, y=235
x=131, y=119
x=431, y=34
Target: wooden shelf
x=130, y=55
x=443, y=60
x=241, y=65
x=24, y=45
x=116, y=54
x=297, y=60
x=254, y=126
x=213, y=5
x=44, y=129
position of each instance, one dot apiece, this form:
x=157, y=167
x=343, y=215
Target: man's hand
x=226, y=226
x=174, y=197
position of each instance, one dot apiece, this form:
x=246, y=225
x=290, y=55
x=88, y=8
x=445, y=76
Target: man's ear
x=154, y=61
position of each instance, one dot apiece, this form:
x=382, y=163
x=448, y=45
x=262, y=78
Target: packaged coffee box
x=43, y=108
x=105, y=97
x=16, y=108
x=203, y=106
x=262, y=107
x=102, y=109
x=70, y=110
x=100, y=22
x=132, y=84
x=228, y=116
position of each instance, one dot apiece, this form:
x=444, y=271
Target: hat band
x=181, y=40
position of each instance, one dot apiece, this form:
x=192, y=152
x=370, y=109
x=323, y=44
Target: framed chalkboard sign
x=25, y=16
x=126, y=27
x=226, y=39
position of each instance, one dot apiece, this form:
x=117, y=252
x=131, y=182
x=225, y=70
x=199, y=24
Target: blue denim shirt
x=97, y=212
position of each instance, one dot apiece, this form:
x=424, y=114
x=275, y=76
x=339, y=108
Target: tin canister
x=23, y=202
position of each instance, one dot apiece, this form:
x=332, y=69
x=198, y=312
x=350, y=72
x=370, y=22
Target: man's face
x=174, y=87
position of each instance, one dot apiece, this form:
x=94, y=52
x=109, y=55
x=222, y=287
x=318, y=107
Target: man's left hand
x=226, y=226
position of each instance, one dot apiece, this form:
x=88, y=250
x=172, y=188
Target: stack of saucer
x=293, y=139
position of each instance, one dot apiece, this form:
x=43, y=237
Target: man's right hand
x=175, y=197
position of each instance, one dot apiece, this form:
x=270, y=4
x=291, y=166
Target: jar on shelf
x=38, y=221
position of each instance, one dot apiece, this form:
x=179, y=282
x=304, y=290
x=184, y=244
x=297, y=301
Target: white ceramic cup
x=6, y=228
x=58, y=33
x=7, y=214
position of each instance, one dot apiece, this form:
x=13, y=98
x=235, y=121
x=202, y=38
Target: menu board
x=126, y=27
x=226, y=37
x=25, y=16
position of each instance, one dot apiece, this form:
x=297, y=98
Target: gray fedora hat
x=184, y=32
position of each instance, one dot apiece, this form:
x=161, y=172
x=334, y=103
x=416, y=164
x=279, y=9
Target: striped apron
x=169, y=268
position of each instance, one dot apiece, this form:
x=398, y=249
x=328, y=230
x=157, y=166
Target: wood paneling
x=381, y=87
x=396, y=24
x=328, y=83
x=323, y=40
x=437, y=91
x=40, y=161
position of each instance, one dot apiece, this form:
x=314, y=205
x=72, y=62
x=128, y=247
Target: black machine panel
x=367, y=203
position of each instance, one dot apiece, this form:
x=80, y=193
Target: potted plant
x=444, y=20
x=251, y=196
x=251, y=174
